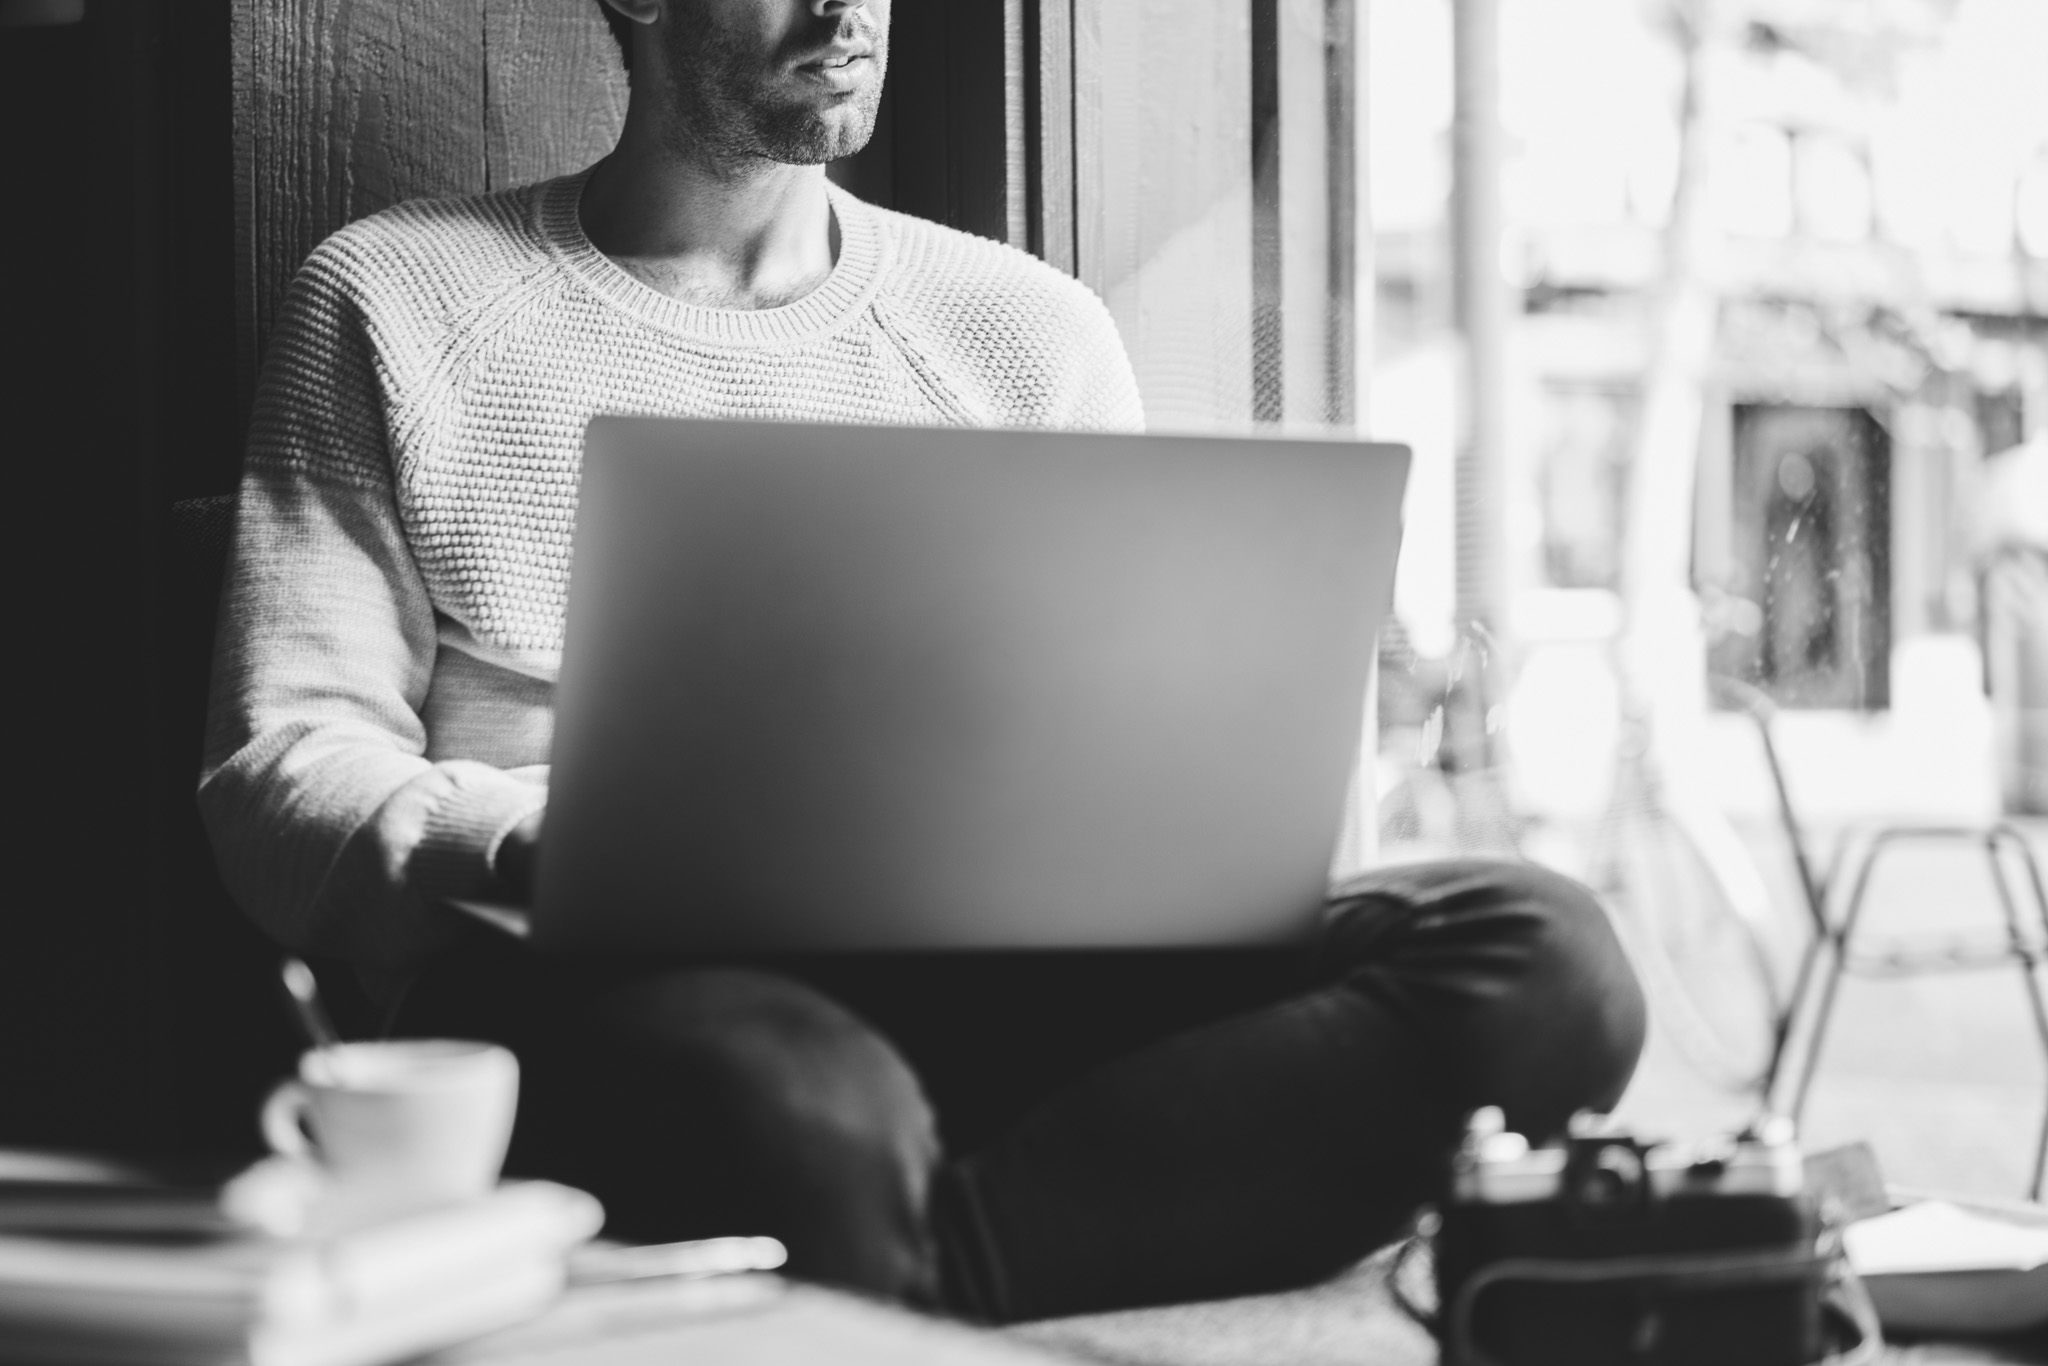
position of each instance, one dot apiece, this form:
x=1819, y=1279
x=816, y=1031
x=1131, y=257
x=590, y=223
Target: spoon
x=306, y=1008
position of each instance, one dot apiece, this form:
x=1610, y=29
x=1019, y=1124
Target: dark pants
x=1020, y=1136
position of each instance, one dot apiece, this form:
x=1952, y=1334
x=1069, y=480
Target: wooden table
x=762, y=1321
x=739, y=1321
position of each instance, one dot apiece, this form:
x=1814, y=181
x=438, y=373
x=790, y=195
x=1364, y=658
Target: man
x=1110, y=1129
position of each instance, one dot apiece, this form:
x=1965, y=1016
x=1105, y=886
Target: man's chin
x=814, y=138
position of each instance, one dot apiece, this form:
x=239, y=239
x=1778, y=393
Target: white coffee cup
x=410, y=1123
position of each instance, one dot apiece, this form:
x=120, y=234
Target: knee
x=1517, y=971
x=722, y=1101
x=757, y=1041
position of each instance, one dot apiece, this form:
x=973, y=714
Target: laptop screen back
x=876, y=688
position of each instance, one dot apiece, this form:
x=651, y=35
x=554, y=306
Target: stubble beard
x=721, y=107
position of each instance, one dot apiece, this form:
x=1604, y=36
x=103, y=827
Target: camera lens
x=1611, y=1177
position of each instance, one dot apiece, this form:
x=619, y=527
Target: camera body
x=1606, y=1249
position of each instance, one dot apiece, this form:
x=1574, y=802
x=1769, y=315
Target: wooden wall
x=343, y=107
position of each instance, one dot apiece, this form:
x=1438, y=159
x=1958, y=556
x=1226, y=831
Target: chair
x=2007, y=854
x=2015, y=872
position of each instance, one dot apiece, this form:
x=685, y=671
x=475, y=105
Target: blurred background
x=1755, y=387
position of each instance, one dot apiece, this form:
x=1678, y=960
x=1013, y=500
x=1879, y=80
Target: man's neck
x=720, y=234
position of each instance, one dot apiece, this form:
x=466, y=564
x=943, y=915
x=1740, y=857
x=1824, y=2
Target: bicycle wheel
x=1690, y=912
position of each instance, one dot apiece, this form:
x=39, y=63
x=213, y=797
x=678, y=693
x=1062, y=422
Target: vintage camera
x=1606, y=1249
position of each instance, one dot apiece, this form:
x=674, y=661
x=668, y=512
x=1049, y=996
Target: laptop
x=867, y=688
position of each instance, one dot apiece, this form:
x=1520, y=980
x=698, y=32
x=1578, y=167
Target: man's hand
x=513, y=868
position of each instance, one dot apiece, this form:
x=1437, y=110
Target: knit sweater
x=383, y=680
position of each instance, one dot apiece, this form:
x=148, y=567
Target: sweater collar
x=843, y=294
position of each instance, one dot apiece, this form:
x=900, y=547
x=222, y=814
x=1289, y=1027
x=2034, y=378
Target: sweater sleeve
x=1107, y=397
x=331, y=827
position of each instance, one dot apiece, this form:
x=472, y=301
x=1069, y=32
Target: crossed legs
x=1122, y=1128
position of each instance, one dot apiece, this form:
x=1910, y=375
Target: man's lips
x=835, y=58
x=843, y=70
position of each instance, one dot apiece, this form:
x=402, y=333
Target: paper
x=513, y=920
x=1937, y=1236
